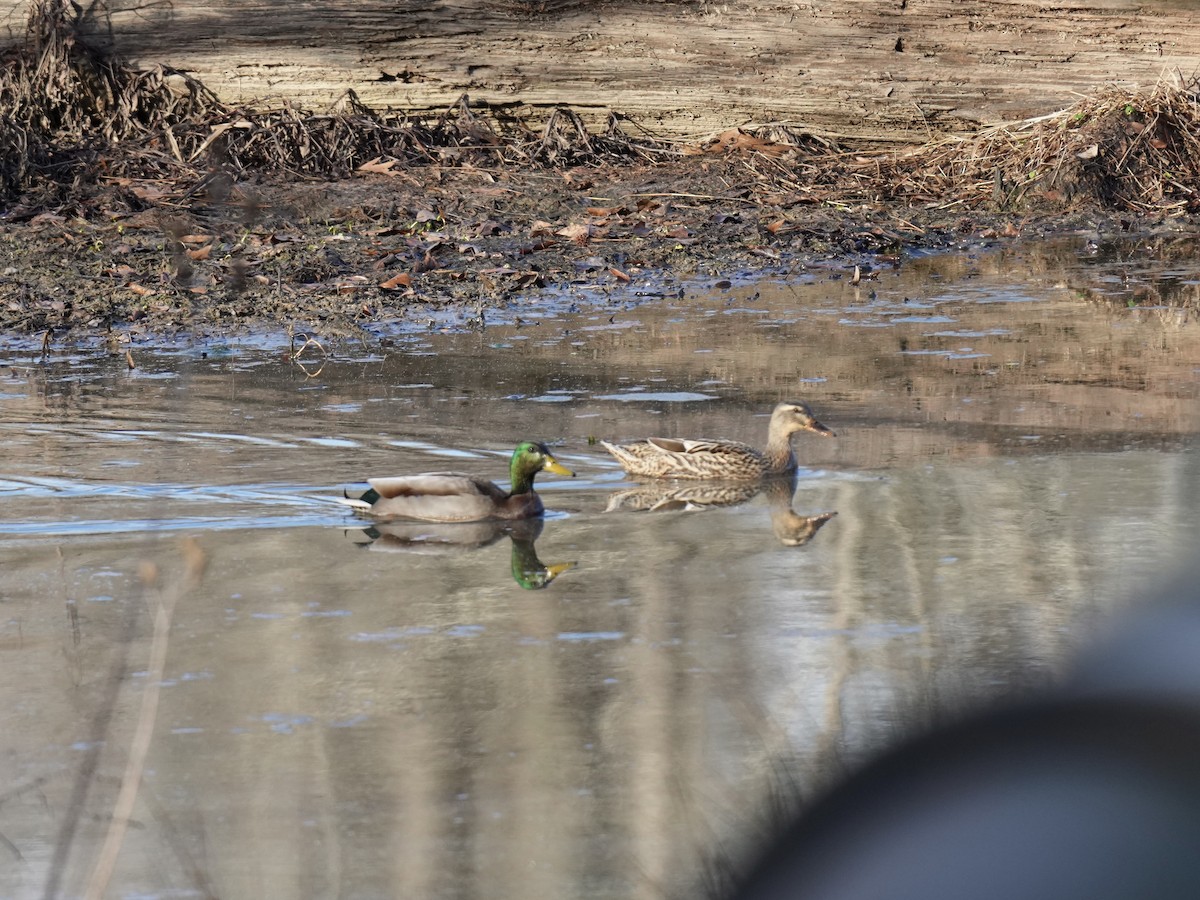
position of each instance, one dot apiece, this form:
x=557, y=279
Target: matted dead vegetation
x=75, y=116
x=136, y=199
x=1125, y=150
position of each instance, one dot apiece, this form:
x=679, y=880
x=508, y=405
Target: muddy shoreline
x=137, y=206
x=364, y=257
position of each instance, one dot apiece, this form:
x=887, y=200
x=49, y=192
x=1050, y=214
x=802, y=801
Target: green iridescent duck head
x=528, y=459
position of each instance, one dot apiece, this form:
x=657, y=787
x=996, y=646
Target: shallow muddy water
x=317, y=709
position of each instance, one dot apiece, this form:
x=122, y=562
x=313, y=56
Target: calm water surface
x=215, y=682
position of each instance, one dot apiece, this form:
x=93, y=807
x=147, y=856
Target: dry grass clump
x=1127, y=150
x=65, y=105
x=76, y=115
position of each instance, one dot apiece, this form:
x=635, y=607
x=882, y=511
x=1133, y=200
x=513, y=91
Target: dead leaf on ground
x=618, y=274
x=201, y=253
x=579, y=178
x=538, y=247
x=427, y=264
x=46, y=218
x=656, y=206
x=540, y=229
x=735, y=140
x=378, y=166
x=577, y=234
x=148, y=192
x=489, y=228
x=140, y=289
x=510, y=279
x=403, y=280
x=602, y=211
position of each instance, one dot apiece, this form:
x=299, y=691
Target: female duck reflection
x=423, y=537
x=733, y=473
x=790, y=528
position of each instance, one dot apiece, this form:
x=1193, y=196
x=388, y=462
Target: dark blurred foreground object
x=1092, y=793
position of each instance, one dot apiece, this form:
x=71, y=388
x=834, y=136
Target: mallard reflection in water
x=458, y=497
x=721, y=459
x=665, y=497
x=790, y=528
x=441, y=538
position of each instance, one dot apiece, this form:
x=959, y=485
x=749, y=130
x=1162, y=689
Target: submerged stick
x=139, y=748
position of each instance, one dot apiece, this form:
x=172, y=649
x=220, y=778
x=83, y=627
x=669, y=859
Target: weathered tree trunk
x=893, y=69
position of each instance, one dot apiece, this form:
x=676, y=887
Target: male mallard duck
x=456, y=497
x=730, y=460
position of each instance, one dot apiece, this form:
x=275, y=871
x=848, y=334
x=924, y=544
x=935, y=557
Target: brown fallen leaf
x=403, y=280
x=140, y=290
x=602, y=211
x=148, y=192
x=537, y=248
x=489, y=228
x=200, y=252
x=427, y=264
x=540, y=229
x=129, y=359
x=735, y=140
x=653, y=205
x=378, y=166
x=351, y=284
x=577, y=234
x=618, y=274
x=581, y=179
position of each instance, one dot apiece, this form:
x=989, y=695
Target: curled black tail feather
x=369, y=495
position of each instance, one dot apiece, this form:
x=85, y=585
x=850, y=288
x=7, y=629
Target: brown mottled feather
x=720, y=459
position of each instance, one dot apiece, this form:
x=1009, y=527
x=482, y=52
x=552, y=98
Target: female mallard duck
x=455, y=497
x=730, y=460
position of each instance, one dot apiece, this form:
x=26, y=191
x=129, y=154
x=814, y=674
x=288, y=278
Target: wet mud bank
x=136, y=205
x=365, y=257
